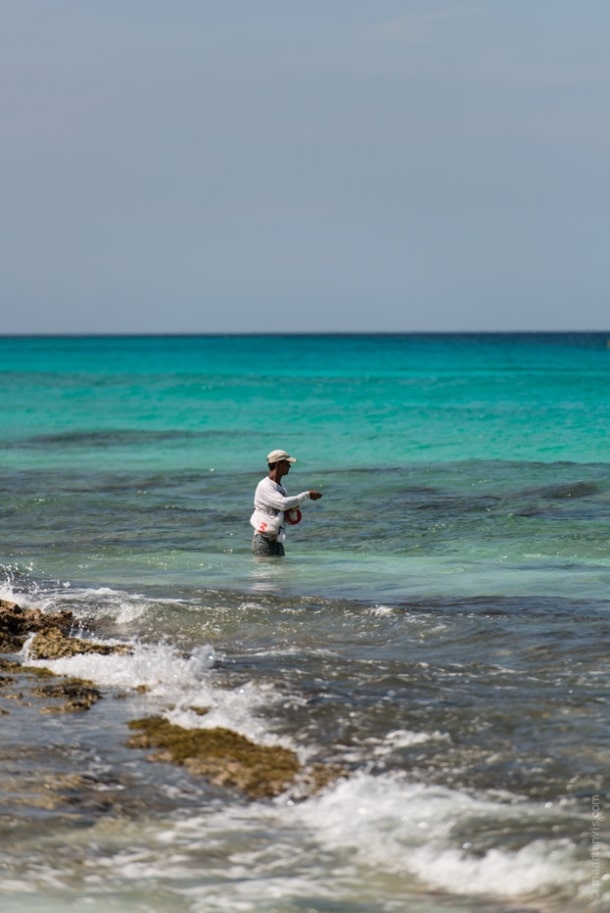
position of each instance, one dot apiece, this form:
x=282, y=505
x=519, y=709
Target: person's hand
x=314, y=495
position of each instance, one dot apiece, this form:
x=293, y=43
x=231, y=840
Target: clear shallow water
x=439, y=625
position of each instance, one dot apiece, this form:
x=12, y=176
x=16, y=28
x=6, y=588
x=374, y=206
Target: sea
x=438, y=630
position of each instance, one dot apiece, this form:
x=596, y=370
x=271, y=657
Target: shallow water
x=438, y=627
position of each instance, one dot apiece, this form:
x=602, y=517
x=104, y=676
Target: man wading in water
x=273, y=508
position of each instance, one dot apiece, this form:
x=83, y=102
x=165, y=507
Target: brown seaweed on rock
x=229, y=759
x=224, y=757
x=79, y=694
x=54, y=644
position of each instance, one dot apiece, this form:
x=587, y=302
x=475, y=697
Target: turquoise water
x=343, y=402
x=439, y=625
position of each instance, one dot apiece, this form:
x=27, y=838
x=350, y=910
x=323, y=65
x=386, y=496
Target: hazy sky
x=273, y=165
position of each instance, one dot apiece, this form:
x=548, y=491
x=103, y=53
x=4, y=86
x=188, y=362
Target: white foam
x=177, y=685
x=10, y=594
x=399, y=827
x=376, y=838
x=159, y=668
x=382, y=611
x=384, y=833
x=120, y=606
x=361, y=753
x=537, y=868
x=232, y=709
x=403, y=738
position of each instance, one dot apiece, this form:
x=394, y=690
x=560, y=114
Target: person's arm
x=278, y=501
x=267, y=496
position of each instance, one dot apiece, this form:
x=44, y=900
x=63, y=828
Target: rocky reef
x=223, y=757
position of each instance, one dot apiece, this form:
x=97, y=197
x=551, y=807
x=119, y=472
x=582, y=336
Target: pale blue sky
x=335, y=165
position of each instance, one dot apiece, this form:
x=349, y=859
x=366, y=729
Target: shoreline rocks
x=54, y=644
x=16, y=624
x=223, y=757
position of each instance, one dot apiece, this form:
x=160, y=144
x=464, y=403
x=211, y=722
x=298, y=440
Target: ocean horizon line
x=305, y=333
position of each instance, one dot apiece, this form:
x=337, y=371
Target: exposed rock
x=229, y=759
x=224, y=757
x=16, y=624
x=54, y=644
x=51, y=641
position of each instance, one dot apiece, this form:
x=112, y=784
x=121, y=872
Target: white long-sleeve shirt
x=272, y=499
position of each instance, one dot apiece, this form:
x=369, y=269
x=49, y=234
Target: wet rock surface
x=54, y=644
x=17, y=623
x=224, y=759
x=75, y=693
x=221, y=755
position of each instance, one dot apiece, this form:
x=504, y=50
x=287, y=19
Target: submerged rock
x=22, y=683
x=224, y=757
x=79, y=693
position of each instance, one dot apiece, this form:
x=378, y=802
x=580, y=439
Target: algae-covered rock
x=224, y=757
x=16, y=624
x=51, y=640
x=22, y=683
x=79, y=694
x=54, y=644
